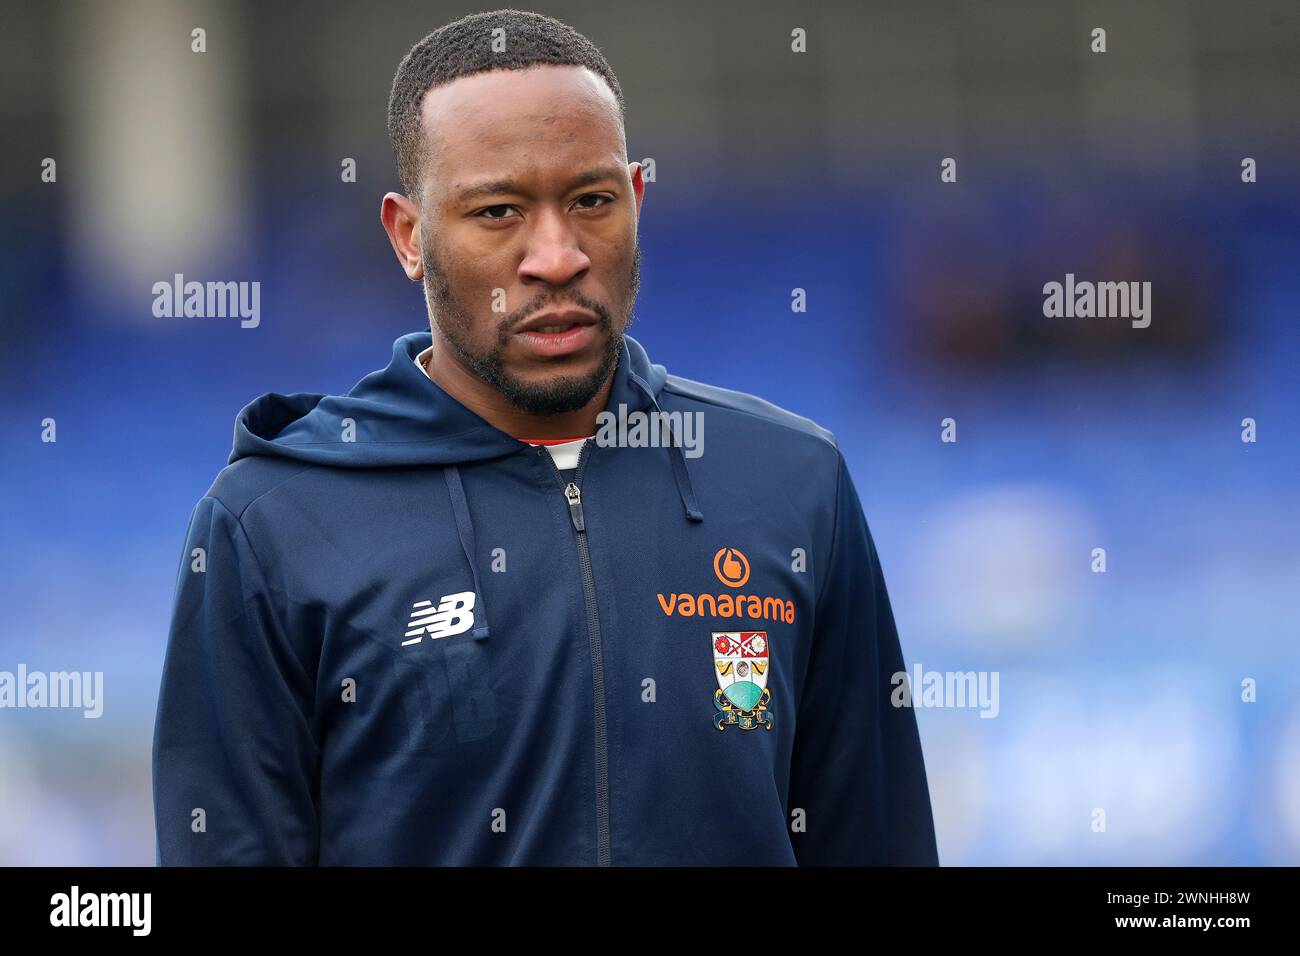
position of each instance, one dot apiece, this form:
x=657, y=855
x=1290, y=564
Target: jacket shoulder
x=242, y=482
x=779, y=419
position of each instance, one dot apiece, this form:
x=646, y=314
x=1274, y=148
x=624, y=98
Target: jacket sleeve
x=857, y=770
x=235, y=755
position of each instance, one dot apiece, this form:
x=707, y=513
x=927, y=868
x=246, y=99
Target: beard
x=555, y=395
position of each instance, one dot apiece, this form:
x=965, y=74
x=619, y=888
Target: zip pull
x=574, y=494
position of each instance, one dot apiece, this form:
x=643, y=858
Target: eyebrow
x=496, y=187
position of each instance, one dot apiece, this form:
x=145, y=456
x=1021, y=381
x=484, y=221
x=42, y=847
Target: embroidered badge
x=740, y=662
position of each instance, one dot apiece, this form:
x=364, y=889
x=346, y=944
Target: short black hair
x=463, y=48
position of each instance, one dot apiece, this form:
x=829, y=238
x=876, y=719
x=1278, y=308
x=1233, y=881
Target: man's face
x=528, y=218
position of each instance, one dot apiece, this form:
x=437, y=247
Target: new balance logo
x=453, y=615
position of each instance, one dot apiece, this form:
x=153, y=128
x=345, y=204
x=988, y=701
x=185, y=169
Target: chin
x=548, y=372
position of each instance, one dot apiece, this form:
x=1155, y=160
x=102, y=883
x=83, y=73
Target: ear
x=638, y=185
x=401, y=221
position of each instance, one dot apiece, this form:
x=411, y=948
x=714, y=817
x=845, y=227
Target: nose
x=554, y=256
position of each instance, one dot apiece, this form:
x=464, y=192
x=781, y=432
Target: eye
x=604, y=200
x=488, y=209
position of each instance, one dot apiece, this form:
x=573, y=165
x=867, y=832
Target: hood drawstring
x=685, y=490
x=465, y=530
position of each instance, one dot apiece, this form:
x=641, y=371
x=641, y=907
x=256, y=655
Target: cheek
x=485, y=248
x=476, y=254
x=611, y=255
x=474, y=283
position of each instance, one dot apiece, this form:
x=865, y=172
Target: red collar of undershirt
x=554, y=441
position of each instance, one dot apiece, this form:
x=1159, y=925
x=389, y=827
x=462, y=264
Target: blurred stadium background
x=774, y=171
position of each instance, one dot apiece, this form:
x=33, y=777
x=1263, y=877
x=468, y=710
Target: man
x=496, y=604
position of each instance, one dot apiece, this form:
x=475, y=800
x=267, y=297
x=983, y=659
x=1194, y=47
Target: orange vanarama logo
x=732, y=569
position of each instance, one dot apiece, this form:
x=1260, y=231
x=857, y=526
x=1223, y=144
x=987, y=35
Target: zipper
x=573, y=497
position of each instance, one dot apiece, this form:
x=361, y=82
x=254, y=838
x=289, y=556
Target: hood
x=400, y=417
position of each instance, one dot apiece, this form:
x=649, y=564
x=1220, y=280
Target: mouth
x=557, y=333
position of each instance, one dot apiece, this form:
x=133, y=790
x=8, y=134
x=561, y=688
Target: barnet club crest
x=740, y=662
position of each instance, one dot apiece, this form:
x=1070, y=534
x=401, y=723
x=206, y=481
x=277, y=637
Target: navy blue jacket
x=401, y=636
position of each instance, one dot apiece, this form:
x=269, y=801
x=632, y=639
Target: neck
x=493, y=407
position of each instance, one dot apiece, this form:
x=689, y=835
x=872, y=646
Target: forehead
x=488, y=123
